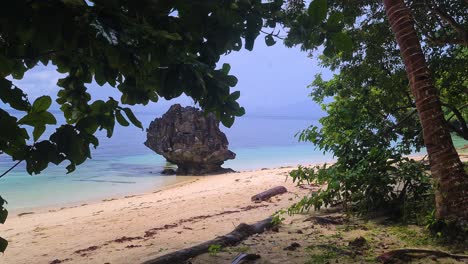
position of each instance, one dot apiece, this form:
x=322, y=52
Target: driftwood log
x=414, y=253
x=240, y=233
x=263, y=196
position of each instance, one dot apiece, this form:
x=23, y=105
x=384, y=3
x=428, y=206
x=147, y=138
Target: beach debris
x=251, y=207
x=191, y=139
x=86, y=251
x=263, y=196
x=293, y=246
x=133, y=246
x=245, y=257
x=58, y=261
x=358, y=242
x=150, y=233
x=126, y=239
x=25, y=213
x=241, y=232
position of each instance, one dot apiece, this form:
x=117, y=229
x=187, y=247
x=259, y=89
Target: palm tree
x=446, y=167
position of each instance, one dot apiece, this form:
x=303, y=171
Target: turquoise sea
x=122, y=165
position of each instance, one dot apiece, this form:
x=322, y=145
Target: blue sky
x=272, y=81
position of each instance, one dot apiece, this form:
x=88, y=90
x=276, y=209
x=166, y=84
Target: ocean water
x=122, y=165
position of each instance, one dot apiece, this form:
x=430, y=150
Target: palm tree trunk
x=451, y=181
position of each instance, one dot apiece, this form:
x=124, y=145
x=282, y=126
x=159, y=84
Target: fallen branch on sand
x=414, y=253
x=240, y=233
x=263, y=196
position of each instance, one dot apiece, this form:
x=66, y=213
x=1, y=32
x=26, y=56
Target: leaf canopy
x=145, y=49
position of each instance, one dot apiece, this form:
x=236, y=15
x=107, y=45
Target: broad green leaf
x=121, y=119
x=254, y=25
x=226, y=68
x=38, y=118
x=48, y=118
x=38, y=131
x=41, y=104
x=13, y=96
x=318, y=11
x=94, y=141
x=3, y=215
x=88, y=124
x=231, y=80
x=235, y=95
x=132, y=118
x=3, y=245
x=240, y=111
x=30, y=119
x=334, y=22
x=227, y=120
x=269, y=40
x=342, y=41
x=99, y=76
x=249, y=41
x=329, y=51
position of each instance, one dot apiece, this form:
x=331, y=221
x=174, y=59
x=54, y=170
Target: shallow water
x=123, y=165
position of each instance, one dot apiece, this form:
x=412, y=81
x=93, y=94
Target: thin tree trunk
x=446, y=168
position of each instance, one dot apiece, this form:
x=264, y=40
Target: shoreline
x=184, y=178
x=134, y=228
x=66, y=205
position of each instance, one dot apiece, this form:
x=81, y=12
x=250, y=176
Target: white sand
x=153, y=224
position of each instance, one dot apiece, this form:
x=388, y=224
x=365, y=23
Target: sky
x=272, y=81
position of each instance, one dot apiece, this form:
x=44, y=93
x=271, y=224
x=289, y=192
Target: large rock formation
x=190, y=139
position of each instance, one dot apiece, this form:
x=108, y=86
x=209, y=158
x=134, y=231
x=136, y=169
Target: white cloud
x=39, y=81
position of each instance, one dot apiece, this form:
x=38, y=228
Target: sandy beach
x=136, y=228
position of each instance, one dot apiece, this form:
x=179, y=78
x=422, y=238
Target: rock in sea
x=190, y=139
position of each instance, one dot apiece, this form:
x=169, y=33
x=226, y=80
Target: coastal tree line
x=385, y=104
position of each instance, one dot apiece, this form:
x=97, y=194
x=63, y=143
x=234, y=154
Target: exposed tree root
x=405, y=254
x=240, y=233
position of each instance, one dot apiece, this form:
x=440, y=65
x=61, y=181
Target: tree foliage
x=145, y=49
x=372, y=123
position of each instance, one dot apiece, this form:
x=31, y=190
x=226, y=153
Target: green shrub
x=214, y=249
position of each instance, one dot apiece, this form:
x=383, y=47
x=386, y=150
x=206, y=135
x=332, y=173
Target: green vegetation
x=372, y=122
x=278, y=217
x=241, y=249
x=322, y=258
x=213, y=250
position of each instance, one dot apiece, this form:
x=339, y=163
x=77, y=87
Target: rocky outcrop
x=190, y=139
